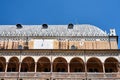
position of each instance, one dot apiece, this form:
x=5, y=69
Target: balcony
x=60, y=75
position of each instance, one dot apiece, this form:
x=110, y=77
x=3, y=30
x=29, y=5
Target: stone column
x=86, y=70
x=35, y=69
x=6, y=68
x=85, y=63
x=103, y=69
x=68, y=67
x=51, y=67
x=119, y=68
x=51, y=77
x=20, y=62
x=19, y=68
x=85, y=67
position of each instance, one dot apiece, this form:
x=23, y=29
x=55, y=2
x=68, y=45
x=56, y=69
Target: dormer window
x=73, y=47
x=70, y=26
x=20, y=47
x=19, y=26
x=44, y=26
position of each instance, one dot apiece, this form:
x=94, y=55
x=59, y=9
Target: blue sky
x=102, y=13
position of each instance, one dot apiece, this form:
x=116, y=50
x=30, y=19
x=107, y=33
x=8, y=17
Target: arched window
x=60, y=65
x=73, y=47
x=77, y=65
x=70, y=26
x=94, y=65
x=20, y=47
x=44, y=26
x=19, y=26
x=2, y=64
x=111, y=65
x=43, y=65
x=28, y=65
x=13, y=65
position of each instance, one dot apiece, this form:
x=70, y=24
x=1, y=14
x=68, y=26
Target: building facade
x=58, y=52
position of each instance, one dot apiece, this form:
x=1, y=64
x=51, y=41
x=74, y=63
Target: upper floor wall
x=45, y=36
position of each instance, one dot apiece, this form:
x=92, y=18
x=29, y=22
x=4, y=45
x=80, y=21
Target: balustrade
x=60, y=75
x=11, y=74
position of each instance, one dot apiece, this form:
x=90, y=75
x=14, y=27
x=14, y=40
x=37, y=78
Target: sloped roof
x=52, y=30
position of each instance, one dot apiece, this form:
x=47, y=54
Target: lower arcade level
x=60, y=64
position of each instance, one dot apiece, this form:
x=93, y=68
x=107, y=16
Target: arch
x=2, y=64
x=44, y=26
x=94, y=65
x=19, y=26
x=13, y=65
x=28, y=65
x=43, y=65
x=70, y=26
x=77, y=65
x=73, y=47
x=111, y=65
x=60, y=65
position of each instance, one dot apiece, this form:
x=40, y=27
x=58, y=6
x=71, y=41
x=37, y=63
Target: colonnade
x=60, y=64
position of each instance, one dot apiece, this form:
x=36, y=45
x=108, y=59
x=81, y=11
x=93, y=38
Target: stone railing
x=2, y=74
x=104, y=76
x=60, y=75
x=27, y=74
x=11, y=74
x=95, y=75
x=67, y=75
x=43, y=74
x=112, y=75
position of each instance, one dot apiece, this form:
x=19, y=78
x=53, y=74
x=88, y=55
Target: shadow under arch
x=111, y=64
x=2, y=64
x=28, y=64
x=94, y=65
x=43, y=65
x=77, y=65
x=13, y=65
x=60, y=65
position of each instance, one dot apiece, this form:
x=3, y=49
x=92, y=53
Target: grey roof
x=52, y=30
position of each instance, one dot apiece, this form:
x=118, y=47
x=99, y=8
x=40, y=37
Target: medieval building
x=58, y=52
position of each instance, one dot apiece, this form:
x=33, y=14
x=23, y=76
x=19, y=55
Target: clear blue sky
x=102, y=13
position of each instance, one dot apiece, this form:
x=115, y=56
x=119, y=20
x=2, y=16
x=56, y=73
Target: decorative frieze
x=72, y=53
